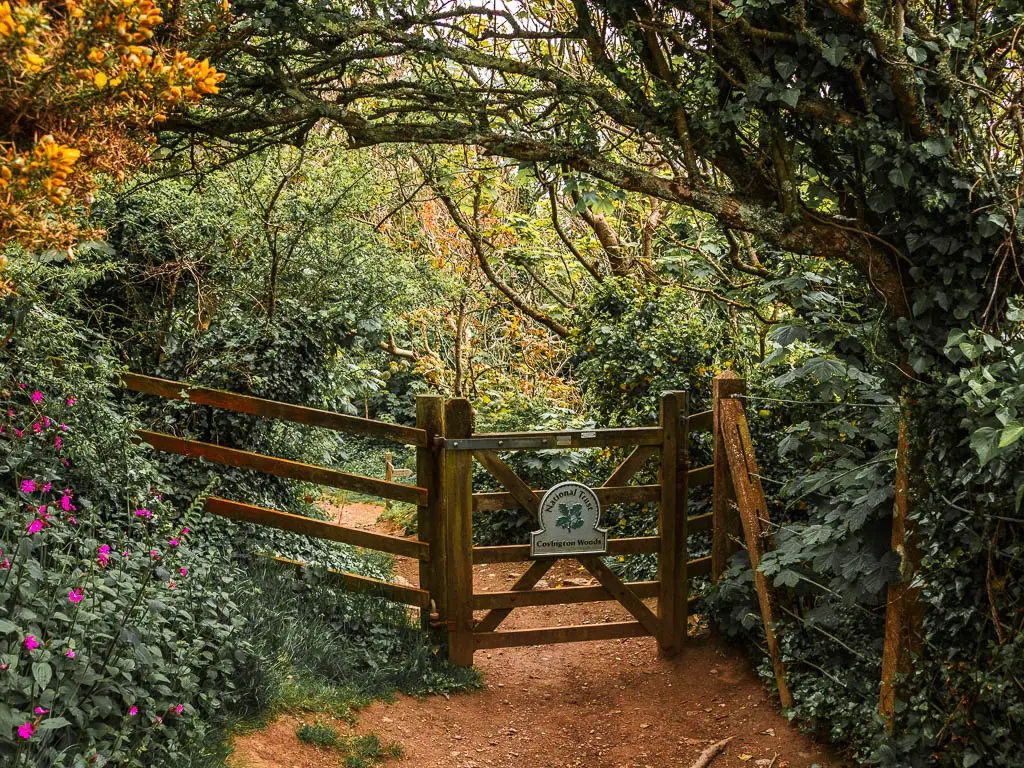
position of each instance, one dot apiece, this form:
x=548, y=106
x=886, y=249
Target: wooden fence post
x=458, y=484
x=726, y=520
x=430, y=517
x=672, y=522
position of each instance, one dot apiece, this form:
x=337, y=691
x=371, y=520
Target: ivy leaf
x=917, y=55
x=983, y=443
x=1011, y=434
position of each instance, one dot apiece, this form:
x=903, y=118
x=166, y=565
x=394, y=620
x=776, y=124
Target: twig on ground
x=711, y=753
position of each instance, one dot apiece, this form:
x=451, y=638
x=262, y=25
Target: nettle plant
x=112, y=621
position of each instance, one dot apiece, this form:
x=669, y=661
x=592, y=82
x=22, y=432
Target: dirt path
x=609, y=704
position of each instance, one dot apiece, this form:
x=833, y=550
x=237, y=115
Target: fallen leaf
x=744, y=758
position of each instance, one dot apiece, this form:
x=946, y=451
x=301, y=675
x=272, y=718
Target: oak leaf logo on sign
x=571, y=517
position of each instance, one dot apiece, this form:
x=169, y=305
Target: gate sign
x=569, y=514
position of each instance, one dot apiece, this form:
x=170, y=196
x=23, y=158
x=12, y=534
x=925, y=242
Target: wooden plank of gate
x=702, y=422
x=701, y=475
x=672, y=523
x=272, y=409
x=754, y=517
x=621, y=494
x=284, y=521
x=514, y=553
x=272, y=465
x=492, y=619
x=550, y=635
x=592, y=438
x=630, y=466
x=354, y=583
x=484, y=601
x=430, y=518
x=458, y=483
x=627, y=597
x=505, y=475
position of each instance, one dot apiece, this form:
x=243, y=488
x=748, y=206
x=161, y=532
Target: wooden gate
x=668, y=442
x=446, y=447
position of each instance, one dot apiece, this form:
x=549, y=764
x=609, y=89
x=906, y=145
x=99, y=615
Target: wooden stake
x=458, y=485
x=727, y=522
x=754, y=517
x=430, y=516
x=672, y=523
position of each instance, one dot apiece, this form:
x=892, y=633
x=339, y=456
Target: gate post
x=674, y=583
x=726, y=520
x=430, y=518
x=458, y=484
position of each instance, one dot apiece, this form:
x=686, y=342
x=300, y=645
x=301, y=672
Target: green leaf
x=42, y=673
x=6, y=627
x=917, y=55
x=1011, y=434
x=53, y=723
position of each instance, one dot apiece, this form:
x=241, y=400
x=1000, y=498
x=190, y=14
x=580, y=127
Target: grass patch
x=365, y=751
x=318, y=734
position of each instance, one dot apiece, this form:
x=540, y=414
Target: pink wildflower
x=63, y=427
x=37, y=397
x=31, y=643
x=41, y=711
x=56, y=442
x=159, y=719
x=125, y=553
x=172, y=585
x=65, y=503
x=11, y=414
x=6, y=565
x=3, y=667
x=72, y=520
x=72, y=400
x=76, y=595
x=25, y=730
x=47, y=487
x=104, y=552
x=21, y=385
x=70, y=654
x=154, y=554
x=179, y=708
x=133, y=711
x=184, y=531
x=143, y=513
x=35, y=526
x=37, y=427
x=18, y=432
x=183, y=571
x=28, y=485
x=174, y=542
x=46, y=421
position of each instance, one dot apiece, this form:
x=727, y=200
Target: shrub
x=318, y=734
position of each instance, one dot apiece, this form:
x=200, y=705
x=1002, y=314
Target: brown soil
x=608, y=704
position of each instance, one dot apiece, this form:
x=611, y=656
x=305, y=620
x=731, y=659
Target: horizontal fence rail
x=294, y=470
x=398, y=593
x=590, y=594
x=573, y=438
x=515, y=553
x=549, y=635
x=271, y=409
x=320, y=529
